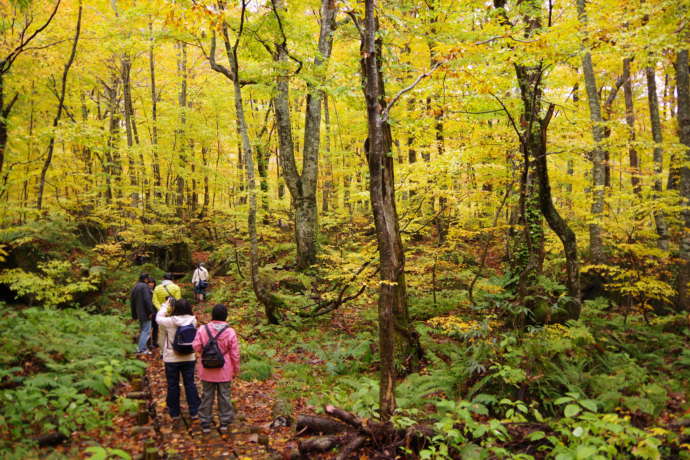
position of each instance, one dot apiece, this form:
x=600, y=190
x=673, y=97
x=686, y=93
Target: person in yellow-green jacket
x=161, y=293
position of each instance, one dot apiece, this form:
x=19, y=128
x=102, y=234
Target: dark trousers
x=172, y=375
x=154, y=333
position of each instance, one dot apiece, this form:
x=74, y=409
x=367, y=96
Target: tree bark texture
x=596, y=243
x=397, y=339
x=181, y=135
x=533, y=143
x=154, y=118
x=302, y=187
x=528, y=246
x=262, y=292
x=683, y=115
x=630, y=121
x=655, y=120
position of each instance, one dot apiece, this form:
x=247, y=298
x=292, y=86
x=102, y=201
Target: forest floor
x=251, y=435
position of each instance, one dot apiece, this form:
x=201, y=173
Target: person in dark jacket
x=142, y=309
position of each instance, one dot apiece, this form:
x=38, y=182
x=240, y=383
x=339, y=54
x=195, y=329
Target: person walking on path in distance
x=177, y=364
x=142, y=309
x=200, y=282
x=224, y=359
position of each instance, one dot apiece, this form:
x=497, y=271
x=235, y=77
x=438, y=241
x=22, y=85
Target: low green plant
x=61, y=367
x=106, y=453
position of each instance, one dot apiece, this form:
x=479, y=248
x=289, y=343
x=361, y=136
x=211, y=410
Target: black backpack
x=211, y=356
x=184, y=337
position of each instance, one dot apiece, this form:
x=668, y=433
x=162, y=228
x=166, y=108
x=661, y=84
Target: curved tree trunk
x=262, y=292
x=397, y=339
x=58, y=115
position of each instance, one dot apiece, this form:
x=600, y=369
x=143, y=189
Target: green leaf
x=536, y=435
x=97, y=453
x=563, y=400
x=571, y=410
x=589, y=404
x=585, y=452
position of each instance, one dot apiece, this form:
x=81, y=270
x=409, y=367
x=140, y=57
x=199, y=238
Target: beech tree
x=302, y=186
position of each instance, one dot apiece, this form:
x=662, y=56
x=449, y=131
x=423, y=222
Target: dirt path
x=250, y=435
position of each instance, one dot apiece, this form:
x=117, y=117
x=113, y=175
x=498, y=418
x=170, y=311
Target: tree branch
x=6, y=111
x=7, y=62
x=215, y=65
x=389, y=106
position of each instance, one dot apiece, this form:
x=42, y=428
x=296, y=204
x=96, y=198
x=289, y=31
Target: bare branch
x=510, y=117
x=389, y=106
x=7, y=109
x=353, y=16
x=7, y=62
x=283, y=45
x=212, y=60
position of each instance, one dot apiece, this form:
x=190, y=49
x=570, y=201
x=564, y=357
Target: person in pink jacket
x=217, y=380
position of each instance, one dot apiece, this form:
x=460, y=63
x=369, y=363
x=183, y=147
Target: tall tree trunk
x=303, y=187
x=397, y=339
x=599, y=154
x=528, y=253
x=58, y=115
x=204, y=161
x=659, y=218
x=328, y=188
x=130, y=128
x=154, y=118
x=535, y=186
x=182, y=130
x=630, y=121
x=270, y=302
x=683, y=114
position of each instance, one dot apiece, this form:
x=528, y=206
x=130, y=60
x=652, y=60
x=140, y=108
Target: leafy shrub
x=58, y=284
x=61, y=367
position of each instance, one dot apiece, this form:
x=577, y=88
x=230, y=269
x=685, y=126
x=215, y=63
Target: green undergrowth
x=59, y=372
x=602, y=387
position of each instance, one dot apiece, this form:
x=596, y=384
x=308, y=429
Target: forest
x=443, y=229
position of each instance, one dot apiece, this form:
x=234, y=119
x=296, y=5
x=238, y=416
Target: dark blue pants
x=172, y=374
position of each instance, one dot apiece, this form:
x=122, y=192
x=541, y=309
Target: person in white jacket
x=175, y=363
x=200, y=281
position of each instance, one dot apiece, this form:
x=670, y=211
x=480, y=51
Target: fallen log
x=320, y=444
x=345, y=416
x=354, y=433
x=308, y=424
x=352, y=446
